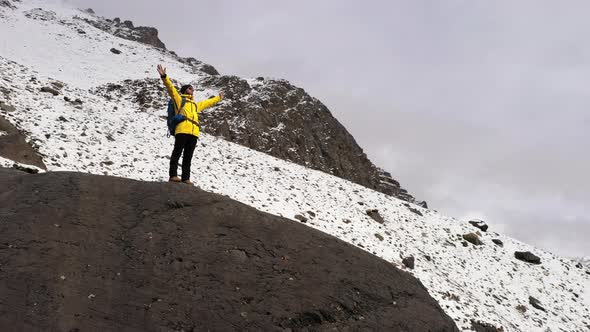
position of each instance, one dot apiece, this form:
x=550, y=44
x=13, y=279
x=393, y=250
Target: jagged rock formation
x=83, y=252
x=7, y=4
x=390, y=186
x=146, y=35
x=126, y=30
x=277, y=118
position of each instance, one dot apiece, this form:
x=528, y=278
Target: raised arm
x=169, y=87
x=209, y=102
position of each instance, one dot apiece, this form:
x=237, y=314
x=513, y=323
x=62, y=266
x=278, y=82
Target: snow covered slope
x=75, y=130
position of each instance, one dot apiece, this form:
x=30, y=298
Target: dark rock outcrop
x=498, y=242
x=51, y=90
x=83, y=252
x=480, y=224
x=126, y=30
x=199, y=65
x=374, y=214
x=527, y=256
x=409, y=262
x=13, y=146
x=536, y=303
x=284, y=121
x=7, y=4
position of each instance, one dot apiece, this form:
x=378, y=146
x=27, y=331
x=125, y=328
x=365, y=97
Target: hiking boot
x=187, y=182
x=174, y=179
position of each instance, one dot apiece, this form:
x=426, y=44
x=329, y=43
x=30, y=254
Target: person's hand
x=221, y=94
x=161, y=70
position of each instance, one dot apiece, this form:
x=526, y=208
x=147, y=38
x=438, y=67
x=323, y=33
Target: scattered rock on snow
x=379, y=236
x=536, y=303
x=301, y=218
x=472, y=238
x=527, y=256
x=521, y=308
x=409, y=262
x=415, y=211
x=57, y=85
x=374, y=213
x=498, y=242
x=485, y=327
x=50, y=90
x=479, y=224
x=116, y=51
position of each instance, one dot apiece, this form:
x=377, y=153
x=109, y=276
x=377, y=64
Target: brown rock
x=472, y=238
x=14, y=146
x=122, y=259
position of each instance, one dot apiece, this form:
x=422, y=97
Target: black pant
x=186, y=143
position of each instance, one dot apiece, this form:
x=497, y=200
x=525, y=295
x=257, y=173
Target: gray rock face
x=168, y=257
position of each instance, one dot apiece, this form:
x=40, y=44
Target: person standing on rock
x=186, y=132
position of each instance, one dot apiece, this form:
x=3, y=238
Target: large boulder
x=83, y=252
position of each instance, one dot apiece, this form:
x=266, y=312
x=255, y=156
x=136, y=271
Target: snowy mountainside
x=255, y=114
x=77, y=130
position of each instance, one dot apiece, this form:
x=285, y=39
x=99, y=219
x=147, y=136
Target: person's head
x=186, y=90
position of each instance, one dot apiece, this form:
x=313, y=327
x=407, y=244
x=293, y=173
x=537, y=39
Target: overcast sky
x=481, y=108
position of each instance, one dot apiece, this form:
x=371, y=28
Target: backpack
x=174, y=119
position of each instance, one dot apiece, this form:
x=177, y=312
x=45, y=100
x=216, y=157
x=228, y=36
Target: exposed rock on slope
x=126, y=30
x=14, y=146
x=277, y=118
x=83, y=252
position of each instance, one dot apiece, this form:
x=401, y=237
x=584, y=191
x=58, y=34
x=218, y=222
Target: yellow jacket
x=191, y=109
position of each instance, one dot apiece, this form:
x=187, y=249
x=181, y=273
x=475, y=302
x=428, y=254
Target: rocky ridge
x=274, y=117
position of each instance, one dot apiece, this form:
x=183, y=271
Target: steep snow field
x=483, y=283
